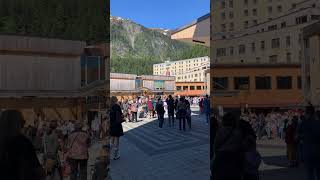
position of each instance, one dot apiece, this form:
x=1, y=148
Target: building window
x=279, y=9
x=230, y=3
x=300, y=38
x=253, y=47
x=245, y=2
x=255, y=22
x=198, y=87
x=223, y=4
x=242, y=49
x=299, y=82
x=262, y=45
x=231, y=28
x=263, y=82
x=231, y=15
x=283, y=24
x=288, y=57
x=223, y=15
x=178, y=87
x=288, y=41
x=270, y=9
x=272, y=28
x=231, y=50
x=185, y=88
x=246, y=24
x=192, y=88
x=241, y=83
x=254, y=12
x=273, y=59
x=301, y=19
x=258, y=60
x=284, y=82
x=220, y=83
x=255, y=2
x=246, y=12
x=221, y=52
x=223, y=27
x=275, y=43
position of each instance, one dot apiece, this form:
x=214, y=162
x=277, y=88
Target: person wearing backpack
x=181, y=113
x=160, y=112
x=77, y=152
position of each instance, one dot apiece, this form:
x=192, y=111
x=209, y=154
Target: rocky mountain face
x=132, y=41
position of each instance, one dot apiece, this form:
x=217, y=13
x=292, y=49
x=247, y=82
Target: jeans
x=313, y=173
x=208, y=117
x=183, y=121
x=134, y=116
x=171, y=119
x=161, y=120
x=268, y=132
x=74, y=163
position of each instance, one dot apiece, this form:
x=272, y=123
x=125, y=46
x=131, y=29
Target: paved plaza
x=148, y=152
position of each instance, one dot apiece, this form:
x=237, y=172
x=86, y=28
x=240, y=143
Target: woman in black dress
x=116, y=131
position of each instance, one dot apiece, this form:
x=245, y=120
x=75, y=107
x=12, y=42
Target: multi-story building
x=188, y=70
x=259, y=33
x=311, y=64
x=43, y=77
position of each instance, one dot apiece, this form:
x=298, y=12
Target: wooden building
x=42, y=77
x=131, y=85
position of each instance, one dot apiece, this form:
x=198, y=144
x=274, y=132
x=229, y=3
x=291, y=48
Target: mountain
x=135, y=48
x=85, y=20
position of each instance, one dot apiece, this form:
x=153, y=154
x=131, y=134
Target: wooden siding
x=41, y=45
x=39, y=73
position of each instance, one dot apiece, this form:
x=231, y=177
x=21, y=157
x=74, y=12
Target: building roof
x=311, y=30
x=202, y=18
x=255, y=66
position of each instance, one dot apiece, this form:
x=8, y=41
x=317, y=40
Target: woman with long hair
x=116, y=130
x=18, y=159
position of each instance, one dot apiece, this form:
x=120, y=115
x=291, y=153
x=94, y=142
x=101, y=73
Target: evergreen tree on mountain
x=84, y=20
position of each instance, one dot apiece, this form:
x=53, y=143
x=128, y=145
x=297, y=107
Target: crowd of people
x=234, y=146
x=46, y=149
x=134, y=109
x=131, y=110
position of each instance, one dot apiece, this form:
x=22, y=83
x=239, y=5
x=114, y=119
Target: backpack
x=134, y=107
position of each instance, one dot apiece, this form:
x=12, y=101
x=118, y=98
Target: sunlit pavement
x=148, y=152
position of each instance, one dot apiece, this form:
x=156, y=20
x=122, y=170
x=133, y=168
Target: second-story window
x=273, y=59
x=254, y=12
x=230, y=3
x=279, y=9
x=223, y=4
x=231, y=15
x=246, y=12
x=242, y=49
x=262, y=45
x=241, y=83
x=270, y=10
x=288, y=41
x=275, y=43
x=253, y=47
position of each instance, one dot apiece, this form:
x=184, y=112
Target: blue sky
x=168, y=14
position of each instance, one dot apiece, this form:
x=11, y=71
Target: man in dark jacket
x=171, y=107
x=160, y=112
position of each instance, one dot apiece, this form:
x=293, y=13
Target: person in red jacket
x=291, y=141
